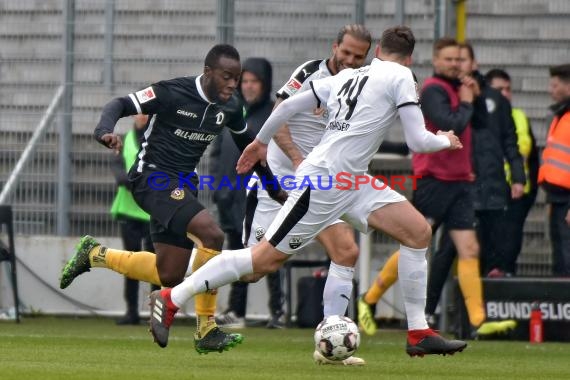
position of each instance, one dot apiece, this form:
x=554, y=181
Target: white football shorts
x=310, y=210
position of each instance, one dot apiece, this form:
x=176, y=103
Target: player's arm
x=305, y=101
x=418, y=138
x=285, y=142
x=293, y=86
x=242, y=140
x=112, y=112
x=394, y=147
x=257, y=150
x=145, y=101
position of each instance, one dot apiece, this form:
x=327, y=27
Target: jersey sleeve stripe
x=136, y=103
x=300, y=75
x=408, y=104
x=316, y=96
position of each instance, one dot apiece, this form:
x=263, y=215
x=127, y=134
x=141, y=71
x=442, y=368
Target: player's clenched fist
x=112, y=141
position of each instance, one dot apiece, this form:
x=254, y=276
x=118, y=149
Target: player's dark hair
x=398, y=40
x=497, y=73
x=561, y=71
x=218, y=51
x=357, y=31
x=469, y=47
x=443, y=43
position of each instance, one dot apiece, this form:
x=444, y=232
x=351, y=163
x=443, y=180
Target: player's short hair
x=220, y=50
x=497, y=74
x=357, y=31
x=469, y=48
x=442, y=43
x=561, y=71
x=398, y=40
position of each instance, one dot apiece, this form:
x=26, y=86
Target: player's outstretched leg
x=428, y=342
x=79, y=263
x=209, y=337
x=351, y=360
x=162, y=312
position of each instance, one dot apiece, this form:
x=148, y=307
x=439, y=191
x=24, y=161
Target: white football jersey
x=306, y=128
x=362, y=105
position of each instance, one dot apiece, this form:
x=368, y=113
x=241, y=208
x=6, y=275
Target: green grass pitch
x=49, y=348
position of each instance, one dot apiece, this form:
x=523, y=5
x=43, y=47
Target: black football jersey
x=182, y=123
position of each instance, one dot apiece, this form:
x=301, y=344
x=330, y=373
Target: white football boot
x=351, y=360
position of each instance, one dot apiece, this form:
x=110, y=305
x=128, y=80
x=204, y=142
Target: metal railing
x=31, y=146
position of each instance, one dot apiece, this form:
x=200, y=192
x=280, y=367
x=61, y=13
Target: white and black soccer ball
x=337, y=337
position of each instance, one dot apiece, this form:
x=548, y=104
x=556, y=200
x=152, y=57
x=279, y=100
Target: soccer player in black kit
x=185, y=115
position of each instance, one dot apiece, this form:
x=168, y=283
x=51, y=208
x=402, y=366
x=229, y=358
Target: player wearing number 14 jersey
x=289, y=148
x=362, y=104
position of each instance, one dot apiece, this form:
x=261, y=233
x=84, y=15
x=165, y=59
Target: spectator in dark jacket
x=494, y=141
x=517, y=209
x=255, y=89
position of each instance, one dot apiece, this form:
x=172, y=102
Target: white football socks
x=412, y=273
x=338, y=290
x=223, y=269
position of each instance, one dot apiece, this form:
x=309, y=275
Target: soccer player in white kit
x=362, y=104
x=302, y=133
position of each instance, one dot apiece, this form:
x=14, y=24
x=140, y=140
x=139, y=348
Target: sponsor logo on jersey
x=145, y=95
x=338, y=126
x=295, y=242
x=177, y=194
x=220, y=118
x=187, y=114
x=293, y=86
x=259, y=233
x=195, y=136
x=491, y=105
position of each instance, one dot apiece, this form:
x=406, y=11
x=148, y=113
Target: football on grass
x=337, y=337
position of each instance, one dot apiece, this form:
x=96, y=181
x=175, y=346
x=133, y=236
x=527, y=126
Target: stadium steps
x=525, y=38
x=517, y=8
x=92, y=185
